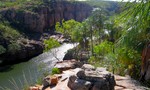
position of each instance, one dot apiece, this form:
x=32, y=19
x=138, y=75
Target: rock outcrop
x=33, y=20
x=88, y=78
x=145, y=67
x=92, y=79
x=30, y=49
x=67, y=64
x=45, y=16
x=127, y=83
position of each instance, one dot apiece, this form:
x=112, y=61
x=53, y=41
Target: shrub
x=9, y=32
x=103, y=48
x=50, y=43
x=55, y=71
x=119, y=60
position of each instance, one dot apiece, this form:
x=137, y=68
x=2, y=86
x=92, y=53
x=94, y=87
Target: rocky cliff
x=31, y=21
x=44, y=16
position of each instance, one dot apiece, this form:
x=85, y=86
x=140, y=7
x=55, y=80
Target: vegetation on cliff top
x=51, y=43
x=18, y=3
x=117, y=42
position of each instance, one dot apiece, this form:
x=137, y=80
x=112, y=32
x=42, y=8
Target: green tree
x=50, y=43
x=66, y=27
x=135, y=21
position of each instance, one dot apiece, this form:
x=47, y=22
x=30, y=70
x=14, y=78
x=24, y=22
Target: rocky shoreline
x=78, y=76
x=29, y=49
x=32, y=23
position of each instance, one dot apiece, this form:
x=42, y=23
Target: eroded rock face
x=79, y=84
x=127, y=83
x=93, y=79
x=67, y=64
x=88, y=67
x=145, y=68
x=26, y=51
x=45, y=16
x=37, y=19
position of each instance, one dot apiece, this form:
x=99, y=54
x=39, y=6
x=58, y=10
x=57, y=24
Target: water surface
x=28, y=72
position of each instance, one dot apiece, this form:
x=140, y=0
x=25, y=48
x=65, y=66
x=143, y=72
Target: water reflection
x=28, y=72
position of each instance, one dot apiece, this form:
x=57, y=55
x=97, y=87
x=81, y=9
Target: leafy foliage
x=55, y=71
x=103, y=48
x=8, y=32
x=50, y=43
x=18, y=3
x=67, y=27
x=136, y=25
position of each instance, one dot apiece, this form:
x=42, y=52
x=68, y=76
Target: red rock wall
x=45, y=16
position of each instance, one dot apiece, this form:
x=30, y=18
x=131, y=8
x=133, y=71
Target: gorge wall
x=32, y=21
x=45, y=16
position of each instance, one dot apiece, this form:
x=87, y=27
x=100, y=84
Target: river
x=28, y=72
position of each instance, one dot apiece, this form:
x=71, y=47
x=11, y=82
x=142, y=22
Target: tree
x=136, y=22
x=66, y=27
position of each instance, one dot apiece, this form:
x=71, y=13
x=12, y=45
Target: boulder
x=102, y=79
x=81, y=73
x=50, y=80
x=102, y=85
x=46, y=82
x=71, y=81
x=78, y=84
x=33, y=88
x=127, y=83
x=67, y=64
x=54, y=80
x=88, y=67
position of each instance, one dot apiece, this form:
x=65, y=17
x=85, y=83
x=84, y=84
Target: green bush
x=19, y=3
x=50, y=43
x=55, y=71
x=8, y=32
x=103, y=48
x=119, y=60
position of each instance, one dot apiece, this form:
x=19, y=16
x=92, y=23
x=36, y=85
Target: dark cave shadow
x=6, y=68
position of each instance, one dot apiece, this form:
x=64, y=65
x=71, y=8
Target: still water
x=28, y=72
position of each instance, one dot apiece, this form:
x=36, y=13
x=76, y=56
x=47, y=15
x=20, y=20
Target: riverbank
x=24, y=26
x=32, y=69
x=77, y=76
x=30, y=48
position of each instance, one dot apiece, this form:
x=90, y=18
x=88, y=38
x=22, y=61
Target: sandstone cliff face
x=37, y=19
x=44, y=17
